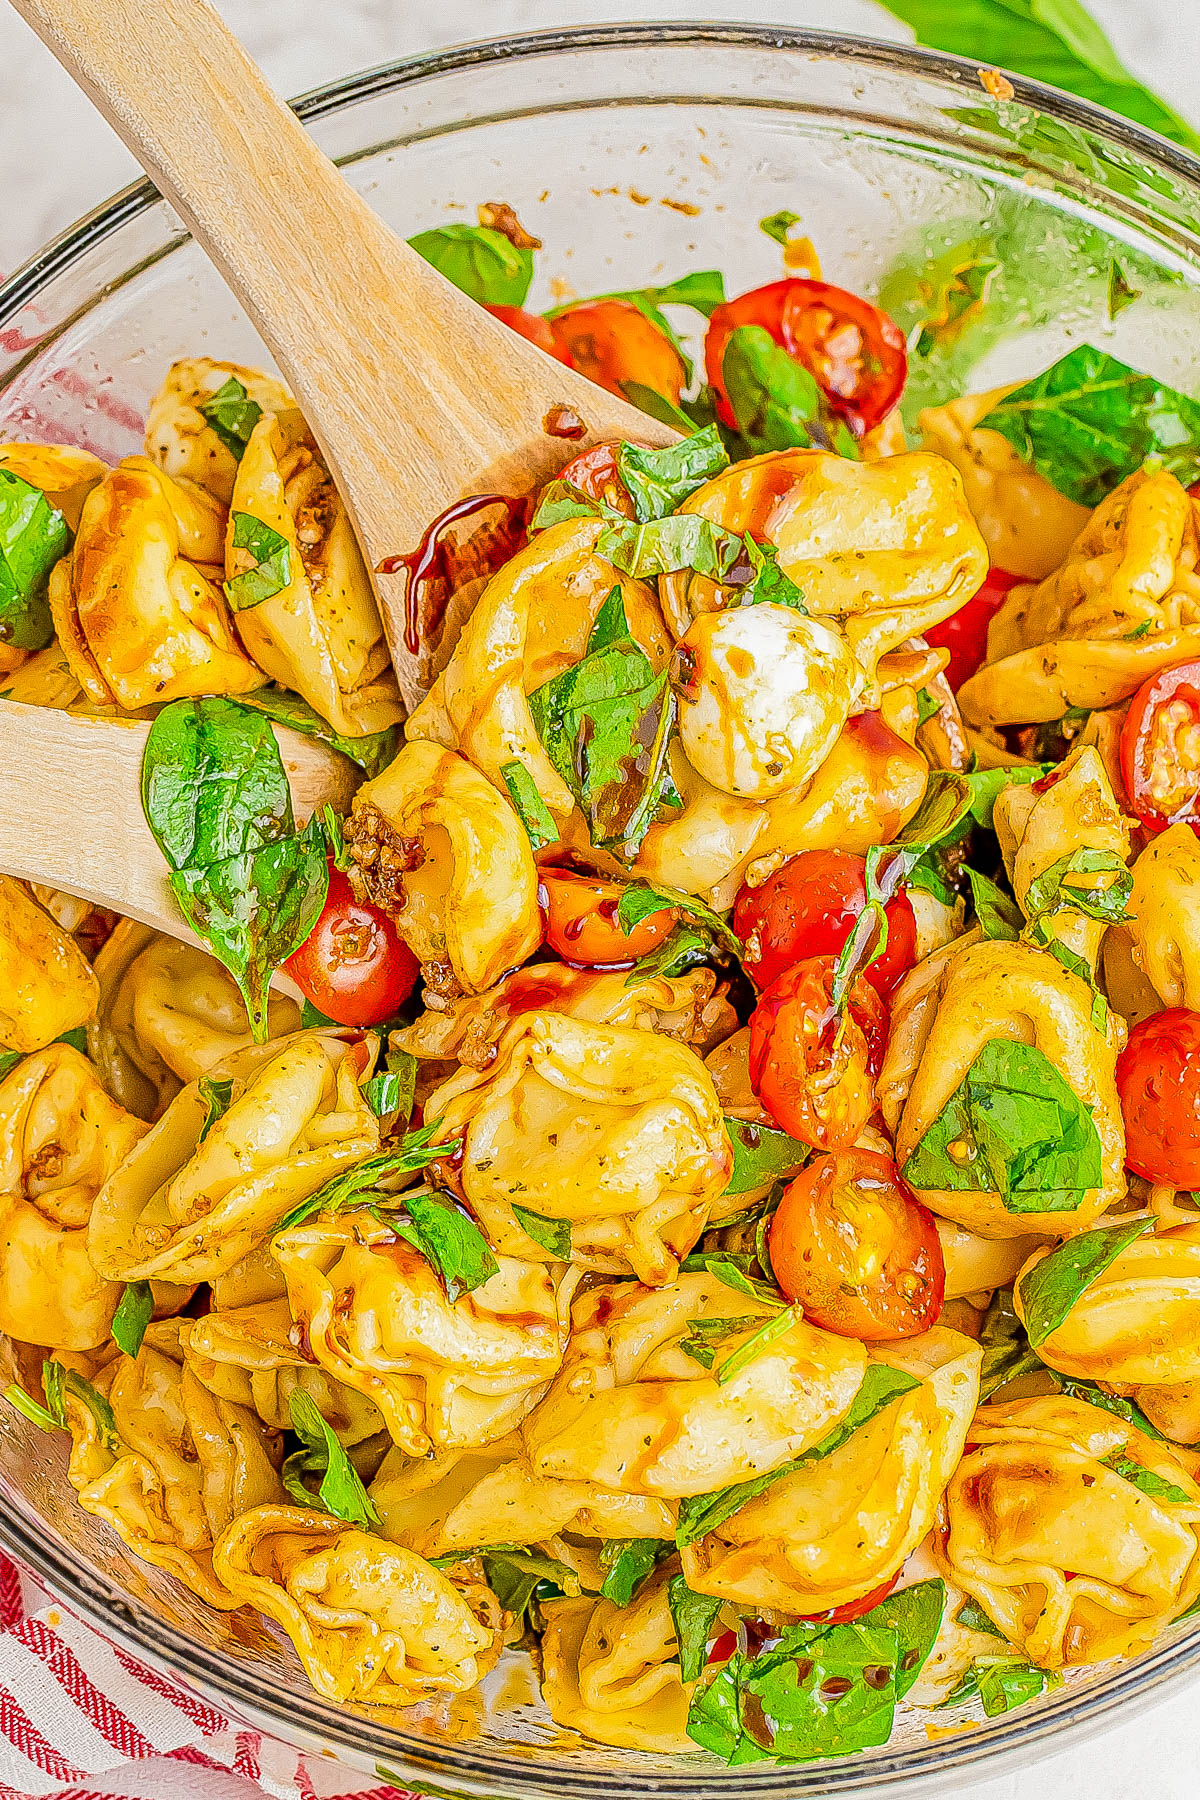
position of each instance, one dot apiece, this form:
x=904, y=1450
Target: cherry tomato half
x=1158, y=1079
x=856, y=1250
x=1160, y=748
x=807, y=907
x=581, y=921
x=854, y=352
x=532, y=326
x=354, y=966
x=594, y=473
x=812, y=1067
x=965, y=632
x=612, y=342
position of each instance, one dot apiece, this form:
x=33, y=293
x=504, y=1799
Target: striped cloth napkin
x=81, y=1719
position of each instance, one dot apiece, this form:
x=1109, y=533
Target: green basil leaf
x=706, y=1335
x=391, y=1092
x=372, y=753
x=213, y=782
x=777, y=404
x=8, y=1062
x=972, y=1617
x=77, y=1038
x=30, y=1408
x=33, y=537
x=481, y=262
x=216, y=1094
x=627, y=1563
x=1012, y=1127
x=642, y=899
x=135, y=1309
x=344, y=1192
x=272, y=569
x=657, y=406
x=69, y=1381
x=1052, y=891
x=733, y=1268
x=663, y=546
x=1040, y=934
x=451, y=1242
x=685, y=949
x=553, y=1235
x=660, y=480
x=768, y=585
x=1145, y=1480
x=1090, y=421
x=915, y=1615
x=341, y=1491
x=1006, y=1351
x=1004, y=1682
x=702, y=1513
x=530, y=808
x=515, y=1574
x=1049, y=40
x=693, y=1616
x=233, y=415
x=996, y=913
x=1116, y=1404
x=1052, y=1287
x=54, y=1386
x=313, y=1019
x=778, y=225
x=768, y=1331
x=761, y=1155
x=560, y=501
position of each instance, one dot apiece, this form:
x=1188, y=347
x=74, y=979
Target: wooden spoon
x=416, y=395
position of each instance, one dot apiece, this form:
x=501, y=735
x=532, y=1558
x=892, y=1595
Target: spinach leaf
x=530, y=808
x=33, y=536
x=233, y=415
x=340, y=1491
x=702, y=1513
x=1145, y=1480
x=996, y=913
x=605, y=724
x=1012, y=1127
x=660, y=480
x=1089, y=421
x=641, y=899
x=482, y=262
x=448, y=1239
x=627, y=1563
x=1052, y=1286
x=1050, y=40
x=1006, y=1351
x=776, y=402
x=135, y=1309
x=553, y=1235
x=271, y=560
x=915, y=1615
x=704, y=1335
x=734, y=1268
x=216, y=1094
x=761, y=1155
x=693, y=1616
x=514, y=1575
x=372, y=753
x=344, y=1192
x=685, y=949
x=778, y=226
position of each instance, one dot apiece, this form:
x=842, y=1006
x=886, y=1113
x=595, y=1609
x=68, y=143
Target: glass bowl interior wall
x=636, y=154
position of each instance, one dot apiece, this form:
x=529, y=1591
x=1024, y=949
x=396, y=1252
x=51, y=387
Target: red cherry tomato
x=1160, y=748
x=532, y=326
x=594, y=473
x=612, y=342
x=354, y=966
x=1158, y=1079
x=812, y=1067
x=581, y=921
x=854, y=352
x=853, y=1609
x=965, y=632
x=808, y=908
x=856, y=1250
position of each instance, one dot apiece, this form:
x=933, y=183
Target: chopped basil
x=662, y=546
x=1139, y=631
x=449, y=1240
x=372, y=753
x=340, y=1490
x=216, y=1094
x=1002, y=1683
x=8, y=1062
x=344, y=1192
x=391, y=1092
x=1012, y=1127
x=734, y=1269
x=530, y=808
x=33, y=537
x=1054, y=1285
x=702, y=1513
x=627, y=1563
x=972, y=1617
x=1051, y=891
x=216, y=797
x=483, y=263
x=515, y=1574
x=997, y=915
x=561, y=501
x=647, y=400
x=1145, y=1480
x=1117, y=1404
x=752, y=1349
x=272, y=557
x=693, y=1616
x=685, y=949
x=768, y=584
x=641, y=899
x=233, y=415
x=705, y=1335
x=1040, y=934
x=660, y=480
x=1090, y=421
x=77, y=1038
x=1006, y=1352
x=30, y=1408
x=57, y=1382
x=135, y=1309
x=553, y=1235
x=778, y=225
x=777, y=404
x=761, y=1155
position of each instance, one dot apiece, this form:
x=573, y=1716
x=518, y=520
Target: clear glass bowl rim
x=306, y=1719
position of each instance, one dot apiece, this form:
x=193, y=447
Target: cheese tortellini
x=47, y=987
x=179, y=436
x=612, y=1672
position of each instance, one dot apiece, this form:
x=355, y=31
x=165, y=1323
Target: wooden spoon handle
x=416, y=395
x=72, y=814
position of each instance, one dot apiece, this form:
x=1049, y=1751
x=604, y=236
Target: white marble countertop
x=57, y=159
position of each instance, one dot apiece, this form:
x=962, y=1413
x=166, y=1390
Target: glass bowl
x=636, y=153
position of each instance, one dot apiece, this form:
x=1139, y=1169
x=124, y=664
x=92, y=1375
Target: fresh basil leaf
x=734, y=1269
x=660, y=480
x=693, y=1616
x=703, y=291
x=996, y=913
x=1004, y=1682
x=761, y=1155
x=482, y=263
x=1049, y=40
x=1116, y=1404
x=778, y=225
x=627, y=1563
x=657, y=406
x=915, y=1614
x=1090, y=421
x=706, y=1335
x=972, y=1617
x=1139, y=631
x=341, y=1491
x=1012, y=1127
x=1052, y=891
x=216, y=1094
x=233, y=415
x=685, y=949
x=313, y=1019
x=1053, y=1286
x=1006, y=1351
x=1145, y=1480
x=451, y=1241
x=30, y=1408
x=272, y=557
x=776, y=402
x=135, y=1309
x=372, y=753
x=76, y=1037
x=561, y=501
x=664, y=545
x=57, y=1386
x=391, y=1092
x=553, y=1235
x=344, y=1192
x=33, y=537
x=8, y=1062
x=768, y=584
x=515, y=1574
x=642, y=899
x=54, y=1387
x=1040, y=934
x=768, y=1331
x=530, y=808
x=701, y=1513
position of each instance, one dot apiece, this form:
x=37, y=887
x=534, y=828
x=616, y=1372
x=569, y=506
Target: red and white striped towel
x=80, y=1719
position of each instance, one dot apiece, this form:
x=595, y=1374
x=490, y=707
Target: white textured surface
x=57, y=159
